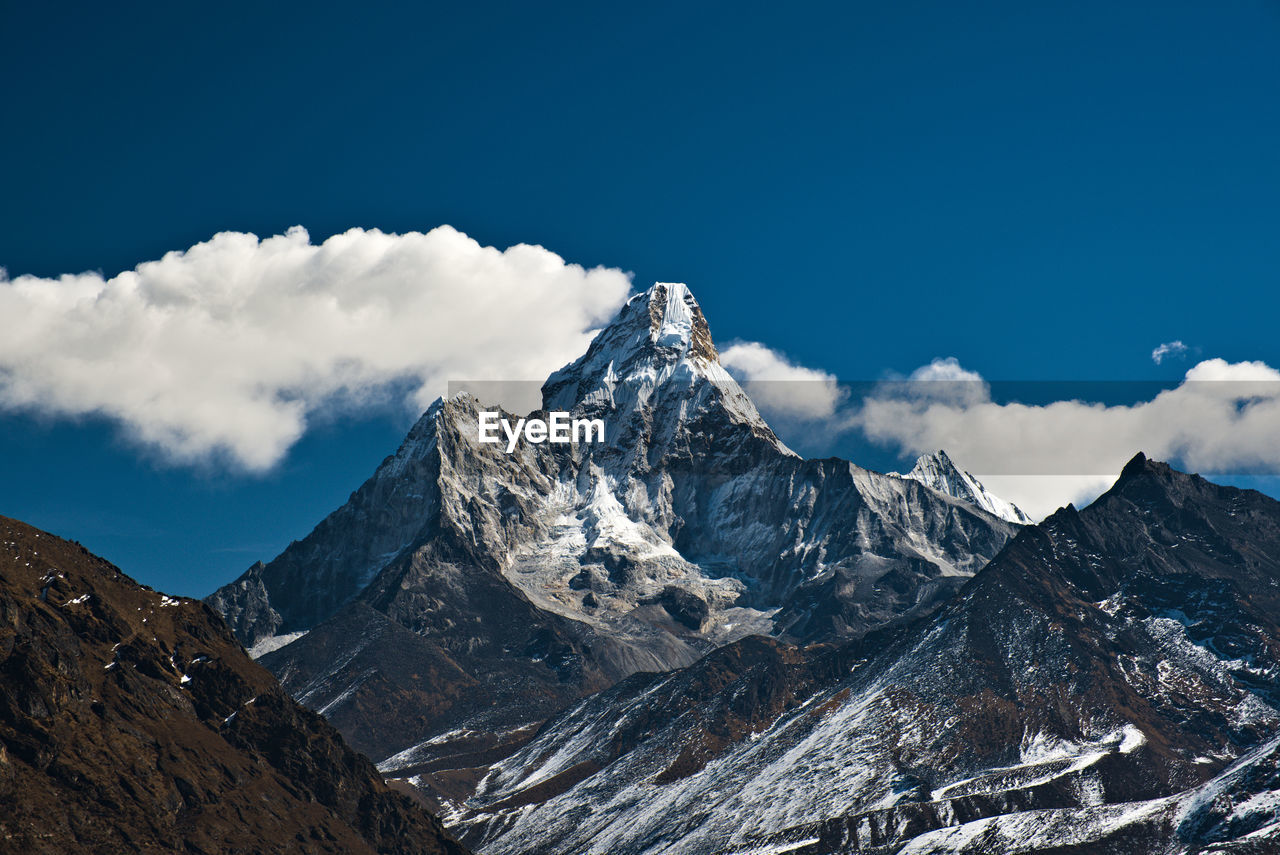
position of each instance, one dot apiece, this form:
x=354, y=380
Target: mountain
x=527, y=580
x=937, y=472
x=134, y=722
x=1109, y=683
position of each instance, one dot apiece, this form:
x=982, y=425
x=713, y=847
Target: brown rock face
x=134, y=722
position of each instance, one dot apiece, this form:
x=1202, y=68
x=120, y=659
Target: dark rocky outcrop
x=134, y=722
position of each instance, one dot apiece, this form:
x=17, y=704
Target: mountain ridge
x=1091, y=684
x=134, y=721
x=556, y=571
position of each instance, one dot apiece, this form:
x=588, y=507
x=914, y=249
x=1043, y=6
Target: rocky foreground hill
x=132, y=722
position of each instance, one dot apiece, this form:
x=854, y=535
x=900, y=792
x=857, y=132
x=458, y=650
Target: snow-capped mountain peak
x=658, y=354
x=937, y=471
x=518, y=580
x=676, y=321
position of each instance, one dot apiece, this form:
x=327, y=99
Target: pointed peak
x=660, y=293
x=658, y=348
x=1142, y=468
x=660, y=334
x=1147, y=481
x=676, y=321
x=1138, y=465
x=939, y=461
x=938, y=471
x=669, y=290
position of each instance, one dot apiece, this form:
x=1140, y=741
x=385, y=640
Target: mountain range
x=688, y=639
x=1108, y=682
x=463, y=588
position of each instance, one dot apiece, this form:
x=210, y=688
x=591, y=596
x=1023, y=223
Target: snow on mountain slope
x=938, y=472
x=1236, y=811
x=1107, y=661
x=562, y=649
x=557, y=570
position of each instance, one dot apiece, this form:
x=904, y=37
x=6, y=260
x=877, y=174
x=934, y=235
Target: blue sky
x=1042, y=193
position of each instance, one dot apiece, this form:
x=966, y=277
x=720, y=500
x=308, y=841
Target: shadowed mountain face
x=539, y=576
x=134, y=722
x=1109, y=682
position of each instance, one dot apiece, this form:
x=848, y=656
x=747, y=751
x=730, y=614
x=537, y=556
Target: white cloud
x=1168, y=349
x=779, y=387
x=1040, y=495
x=1223, y=417
x=227, y=347
x=945, y=370
x=944, y=405
x=943, y=380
